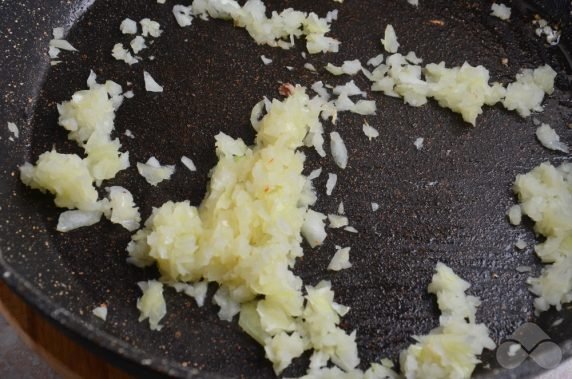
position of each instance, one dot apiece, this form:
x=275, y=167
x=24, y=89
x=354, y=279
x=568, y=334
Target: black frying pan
x=212, y=76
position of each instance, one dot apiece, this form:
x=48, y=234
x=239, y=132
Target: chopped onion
x=374, y=206
x=340, y=260
x=150, y=84
x=153, y=172
x=515, y=214
x=501, y=11
x=62, y=44
x=137, y=44
x=369, y=131
x=520, y=244
x=339, y=151
x=13, y=128
x=549, y=139
x=121, y=54
x=341, y=209
x=309, y=67
x=313, y=228
x=183, y=15
x=331, y=183
x=122, y=209
x=350, y=229
x=100, y=312
x=265, y=60
x=152, y=304
x=389, y=41
x=188, y=162
x=337, y=221
x=419, y=143
x=150, y=28
x=70, y=220
x=375, y=61
x=128, y=26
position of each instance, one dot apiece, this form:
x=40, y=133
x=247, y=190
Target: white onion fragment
x=515, y=214
x=128, y=26
x=340, y=260
x=188, y=162
x=100, y=312
x=389, y=40
x=153, y=172
x=70, y=220
x=419, y=143
x=183, y=15
x=313, y=228
x=152, y=304
x=501, y=11
x=369, y=131
x=13, y=128
x=150, y=84
x=331, y=183
x=550, y=140
x=339, y=151
x=430, y=356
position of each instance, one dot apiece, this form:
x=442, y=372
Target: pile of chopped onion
x=89, y=118
x=278, y=30
x=545, y=196
x=449, y=351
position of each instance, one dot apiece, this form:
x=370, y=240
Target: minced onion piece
x=550, y=139
x=128, y=26
x=374, y=207
x=545, y=195
x=340, y=260
x=265, y=60
x=522, y=269
x=70, y=220
x=331, y=183
x=336, y=221
x=120, y=53
x=350, y=229
x=183, y=15
x=313, y=228
x=309, y=67
x=419, y=143
x=152, y=304
x=150, y=84
x=389, y=40
x=501, y=11
x=514, y=214
x=341, y=209
x=13, y=128
x=375, y=61
x=121, y=208
x=150, y=28
x=369, y=131
x=100, y=312
x=188, y=162
x=430, y=356
x=128, y=94
x=520, y=244
x=153, y=172
x=137, y=44
x=339, y=151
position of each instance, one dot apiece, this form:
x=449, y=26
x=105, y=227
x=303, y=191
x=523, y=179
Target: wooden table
x=67, y=357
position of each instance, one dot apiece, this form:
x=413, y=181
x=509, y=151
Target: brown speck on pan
x=286, y=89
x=504, y=61
x=437, y=22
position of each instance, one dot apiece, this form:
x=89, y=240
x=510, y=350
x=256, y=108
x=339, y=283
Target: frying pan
x=445, y=202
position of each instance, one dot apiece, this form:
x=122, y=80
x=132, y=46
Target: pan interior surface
x=444, y=203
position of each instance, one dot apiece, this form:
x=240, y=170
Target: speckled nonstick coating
x=445, y=203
